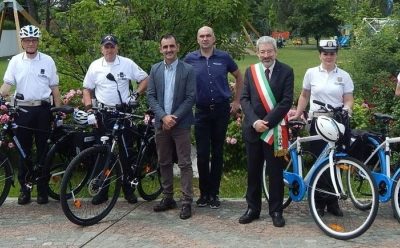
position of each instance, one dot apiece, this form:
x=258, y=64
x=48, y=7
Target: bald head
x=205, y=38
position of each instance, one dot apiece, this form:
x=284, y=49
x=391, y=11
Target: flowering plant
x=4, y=119
x=234, y=149
x=72, y=98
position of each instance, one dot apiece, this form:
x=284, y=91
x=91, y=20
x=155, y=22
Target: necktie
x=267, y=71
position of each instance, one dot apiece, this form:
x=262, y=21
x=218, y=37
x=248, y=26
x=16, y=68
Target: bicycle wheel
x=57, y=160
x=6, y=175
x=87, y=199
x=355, y=221
x=308, y=160
x=396, y=197
x=149, y=186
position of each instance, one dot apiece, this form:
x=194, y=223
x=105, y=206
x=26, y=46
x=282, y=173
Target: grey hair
x=266, y=40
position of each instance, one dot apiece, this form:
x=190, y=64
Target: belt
x=102, y=105
x=32, y=103
x=213, y=105
x=317, y=114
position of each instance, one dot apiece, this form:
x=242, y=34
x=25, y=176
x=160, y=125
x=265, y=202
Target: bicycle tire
x=6, y=175
x=78, y=191
x=396, y=197
x=57, y=160
x=149, y=186
x=308, y=160
x=355, y=221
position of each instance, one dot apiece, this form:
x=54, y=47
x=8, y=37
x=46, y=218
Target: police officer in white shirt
x=106, y=93
x=34, y=76
x=328, y=84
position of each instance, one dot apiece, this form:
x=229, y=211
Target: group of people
x=173, y=89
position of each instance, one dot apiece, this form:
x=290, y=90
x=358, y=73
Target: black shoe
x=335, y=210
x=24, y=197
x=320, y=212
x=214, y=202
x=129, y=194
x=277, y=219
x=202, y=201
x=42, y=199
x=165, y=204
x=186, y=211
x=249, y=216
x=101, y=197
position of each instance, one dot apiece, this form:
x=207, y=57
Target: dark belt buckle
x=212, y=106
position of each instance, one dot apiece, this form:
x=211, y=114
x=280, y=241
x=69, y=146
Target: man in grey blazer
x=171, y=95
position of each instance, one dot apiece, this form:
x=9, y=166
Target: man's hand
x=235, y=106
x=169, y=121
x=261, y=126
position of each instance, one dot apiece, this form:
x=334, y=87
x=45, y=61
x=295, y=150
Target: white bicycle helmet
x=329, y=129
x=80, y=117
x=29, y=31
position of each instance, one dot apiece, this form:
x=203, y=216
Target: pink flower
x=146, y=119
x=228, y=140
x=72, y=92
x=79, y=92
x=4, y=118
x=11, y=145
x=233, y=141
x=3, y=107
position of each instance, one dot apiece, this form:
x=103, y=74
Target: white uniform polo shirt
x=122, y=68
x=327, y=87
x=32, y=77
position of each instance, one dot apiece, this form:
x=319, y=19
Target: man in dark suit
x=267, y=97
x=171, y=95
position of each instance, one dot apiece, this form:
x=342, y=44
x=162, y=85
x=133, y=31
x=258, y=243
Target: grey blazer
x=184, y=94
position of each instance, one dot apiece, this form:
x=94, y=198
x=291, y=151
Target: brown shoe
x=186, y=211
x=165, y=204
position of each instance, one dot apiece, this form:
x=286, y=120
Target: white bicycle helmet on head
x=80, y=117
x=29, y=31
x=329, y=129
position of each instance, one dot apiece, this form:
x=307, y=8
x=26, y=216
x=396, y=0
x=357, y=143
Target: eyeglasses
x=109, y=46
x=30, y=40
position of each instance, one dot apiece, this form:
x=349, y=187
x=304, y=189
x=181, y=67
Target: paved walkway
x=138, y=226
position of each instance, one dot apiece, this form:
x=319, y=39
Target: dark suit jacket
x=184, y=94
x=281, y=84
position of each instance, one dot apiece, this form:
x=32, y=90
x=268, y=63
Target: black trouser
x=210, y=132
x=33, y=125
x=316, y=147
x=257, y=153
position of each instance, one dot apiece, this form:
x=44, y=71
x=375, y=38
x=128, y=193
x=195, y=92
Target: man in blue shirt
x=213, y=109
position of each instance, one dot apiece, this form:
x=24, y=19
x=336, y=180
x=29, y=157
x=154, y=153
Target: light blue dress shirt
x=169, y=80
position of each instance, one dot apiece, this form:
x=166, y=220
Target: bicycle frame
x=296, y=177
x=384, y=176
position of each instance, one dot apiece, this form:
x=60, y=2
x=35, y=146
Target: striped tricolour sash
x=279, y=133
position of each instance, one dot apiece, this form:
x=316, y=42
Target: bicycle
x=377, y=148
x=56, y=157
x=98, y=170
x=344, y=173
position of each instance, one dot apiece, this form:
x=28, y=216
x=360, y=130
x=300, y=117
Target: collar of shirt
x=321, y=69
x=271, y=68
x=25, y=56
x=115, y=62
x=215, y=52
x=171, y=66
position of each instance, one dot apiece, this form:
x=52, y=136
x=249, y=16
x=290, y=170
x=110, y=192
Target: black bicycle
x=63, y=143
x=98, y=170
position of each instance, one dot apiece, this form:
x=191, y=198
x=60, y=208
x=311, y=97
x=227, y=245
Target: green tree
x=314, y=18
x=74, y=37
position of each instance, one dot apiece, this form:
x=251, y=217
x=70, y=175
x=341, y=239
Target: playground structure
x=15, y=7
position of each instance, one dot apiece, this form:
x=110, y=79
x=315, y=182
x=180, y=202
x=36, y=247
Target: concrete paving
x=137, y=225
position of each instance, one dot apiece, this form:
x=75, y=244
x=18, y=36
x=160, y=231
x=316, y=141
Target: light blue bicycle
x=342, y=171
